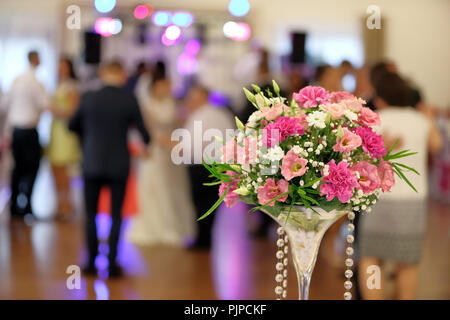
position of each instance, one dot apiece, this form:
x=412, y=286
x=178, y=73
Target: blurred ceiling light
x=230, y=29
x=186, y=64
x=161, y=18
x=192, y=47
x=239, y=8
x=182, y=19
x=242, y=32
x=104, y=5
x=173, y=32
x=141, y=12
x=107, y=26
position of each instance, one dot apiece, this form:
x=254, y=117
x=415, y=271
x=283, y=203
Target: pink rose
x=386, y=175
x=339, y=182
x=337, y=110
x=348, y=142
x=271, y=113
x=368, y=180
x=338, y=96
x=311, y=96
x=369, y=118
x=354, y=105
x=231, y=198
x=372, y=142
x=270, y=190
x=293, y=166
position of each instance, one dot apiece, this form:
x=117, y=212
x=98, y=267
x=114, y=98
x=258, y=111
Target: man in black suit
x=102, y=121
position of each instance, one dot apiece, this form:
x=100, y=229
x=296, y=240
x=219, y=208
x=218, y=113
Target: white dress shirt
x=25, y=101
x=205, y=123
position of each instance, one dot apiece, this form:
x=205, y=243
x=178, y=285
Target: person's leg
x=406, y=281
x=91, y=194
x=16, y=173
x=203, y=197
x=62, y=183
x=366, y=278
x=117, y=197
x=33, y=151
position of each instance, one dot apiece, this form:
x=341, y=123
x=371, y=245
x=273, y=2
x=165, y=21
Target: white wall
x=417, y=31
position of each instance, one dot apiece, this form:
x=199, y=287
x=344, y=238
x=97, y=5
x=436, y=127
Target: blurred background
x=222, y=45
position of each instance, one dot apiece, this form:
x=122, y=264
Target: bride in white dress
x=166, y=213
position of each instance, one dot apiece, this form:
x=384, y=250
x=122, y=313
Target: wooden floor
x=34, y=259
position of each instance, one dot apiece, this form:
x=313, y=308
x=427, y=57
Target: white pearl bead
x=349, y=251
x=348, y=274
x=285, y=261
x=351, y=215
x=280, y=243
x=349, y=262
x=285, y=273
x=350, y=238
x=284, y=294
x=285, y=284
x=280, y=254
x=350, y=227
x=347, y=296
x=348, y=285
x=279, y=277
x=286, y=250
x=278, y=290
x=280, y=231
x=286, y=239
x=279, y=266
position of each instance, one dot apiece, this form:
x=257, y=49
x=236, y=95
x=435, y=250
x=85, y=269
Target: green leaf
x=399, y=172
x=215, y=205
x=309, y=184
x=250, y=96
x=239, y=124
x=256, y=88
x=212, y=183
x=276, y=88
x=407, y=167
x=269, y=202
x=243, y=191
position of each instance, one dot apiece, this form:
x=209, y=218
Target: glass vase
x=305, y=229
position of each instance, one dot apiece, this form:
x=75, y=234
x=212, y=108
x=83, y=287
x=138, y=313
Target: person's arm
x=435, y=141
x=138, y=121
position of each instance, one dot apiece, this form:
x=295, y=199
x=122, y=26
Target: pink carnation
x=293, y=166
x=231, y=198
x=354, y=104
x=311, y=96
x=369, y=118
x=281, y=129
x=368, y=180
x=371, y=142
x=339, y=182
x=270, y=190
x=386, y=175
x=348, y=142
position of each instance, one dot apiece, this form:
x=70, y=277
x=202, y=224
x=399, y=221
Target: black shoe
x=115, y=271
x=90, y=270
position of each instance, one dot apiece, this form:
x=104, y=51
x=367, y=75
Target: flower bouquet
x=306, y=164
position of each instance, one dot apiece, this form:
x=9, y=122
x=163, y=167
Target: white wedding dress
x=166, y=212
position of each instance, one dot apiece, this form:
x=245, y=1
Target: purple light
x=182, y=19
x=101, y=290
x=192, y=47
x=217, y=98
x=161, y=18
x=186, y=64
